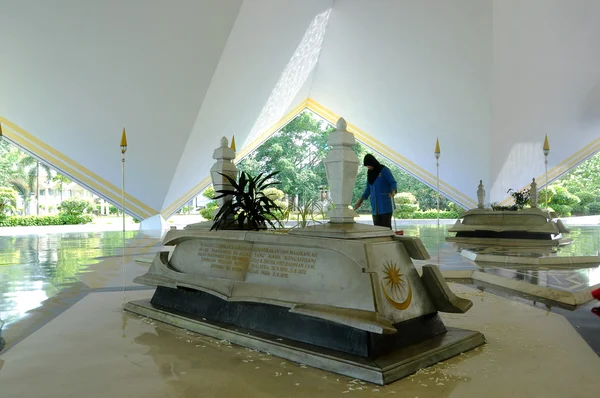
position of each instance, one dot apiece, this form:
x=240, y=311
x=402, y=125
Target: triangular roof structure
x=490, y=78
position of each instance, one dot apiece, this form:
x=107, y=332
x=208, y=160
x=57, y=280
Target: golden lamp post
x=437, y=154
x=546, y=149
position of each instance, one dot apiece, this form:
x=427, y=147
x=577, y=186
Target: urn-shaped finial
x=341, y=165
x=480, y=195
x=533, y=194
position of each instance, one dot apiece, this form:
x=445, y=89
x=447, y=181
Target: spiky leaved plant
x=250, y=208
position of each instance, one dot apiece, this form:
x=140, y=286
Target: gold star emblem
x=396, y=287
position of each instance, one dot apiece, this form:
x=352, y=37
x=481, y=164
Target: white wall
x=75, y=72
x=255, y=82
x=409, y=71
x=546, y=81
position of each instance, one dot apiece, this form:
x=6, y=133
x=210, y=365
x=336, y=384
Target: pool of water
x=586, y=242
x=34, y=268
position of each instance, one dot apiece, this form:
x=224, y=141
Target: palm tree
x=29, y=184
x=61, y=179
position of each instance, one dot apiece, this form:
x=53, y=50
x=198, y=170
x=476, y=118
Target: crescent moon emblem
x=399, y=306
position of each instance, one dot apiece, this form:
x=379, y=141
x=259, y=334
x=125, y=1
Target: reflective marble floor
x=67, y=336
x=564, y=277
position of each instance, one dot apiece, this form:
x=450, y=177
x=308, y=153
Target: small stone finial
x=224, y=142
x=533, y=194
x=341, y=124
x=480, y=195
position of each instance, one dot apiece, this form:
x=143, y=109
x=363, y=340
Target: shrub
x=8, y=201
x=63, y=219
x=563, y=198
x=207, y=212
x=562, y=210
x=594, y=208
x=406, y=205
x=585, y=198
x=579, y=210
x=209, y=192
x=432, y=214
x=75, y=207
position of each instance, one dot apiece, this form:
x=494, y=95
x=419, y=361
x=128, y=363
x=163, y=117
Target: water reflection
x=568, y=277
x=34, y=268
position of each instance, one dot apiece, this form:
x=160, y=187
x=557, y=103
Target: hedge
x=63, y=219
x=428, y=215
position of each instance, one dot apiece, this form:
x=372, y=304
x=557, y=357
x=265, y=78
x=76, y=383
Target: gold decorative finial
x=123, y=141
x=546, y=144
x=437, y=147
x=233, y=144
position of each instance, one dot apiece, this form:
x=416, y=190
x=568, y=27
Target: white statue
x=533, y=194
x=480, y=195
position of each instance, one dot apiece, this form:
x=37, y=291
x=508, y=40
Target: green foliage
x=561, y=210
x=250, y=208
x=586, y=198
x=207, y=212
x=542, y=195
x=75, y=207
x=62, y=180
x=521, y=198
x=432, y=215
x=584, y=177
x=8, y=201
x=297, y=152
x=312, y=210
x=63, y=219
x=564, y=198
x=594, y=208
x=406, y=205
x=209, y=192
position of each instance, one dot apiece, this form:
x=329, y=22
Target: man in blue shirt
x=381, y=188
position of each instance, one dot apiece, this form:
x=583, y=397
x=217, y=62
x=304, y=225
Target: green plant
x=521, y=198
x=75, y=207
x=585, y=198
x=307, y=213
x=594, y=208
x=562, y=210
x=564, y=198
x=8, y=201
x=406, y=205
x=209, y=193
x=432, y=214
x=249, y=207
x=64, y=219
x=208, y=212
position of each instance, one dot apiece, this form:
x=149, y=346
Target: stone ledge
x=382, y=370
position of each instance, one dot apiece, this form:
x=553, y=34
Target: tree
x=9, y=159
x=8, y=201
x=27, y=182
x=584, y=177
x=62, y=180
x=297, y=152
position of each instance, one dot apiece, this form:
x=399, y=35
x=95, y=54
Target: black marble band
x=278, y=321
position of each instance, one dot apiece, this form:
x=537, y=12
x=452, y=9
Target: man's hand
x=392, y=194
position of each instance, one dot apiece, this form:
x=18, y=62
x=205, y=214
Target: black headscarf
x=372, y=175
